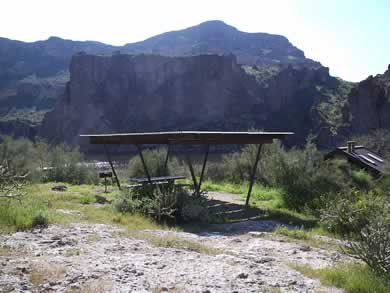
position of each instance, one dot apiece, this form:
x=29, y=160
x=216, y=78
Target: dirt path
x=104, y=258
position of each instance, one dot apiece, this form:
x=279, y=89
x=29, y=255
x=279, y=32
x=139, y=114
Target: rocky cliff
x=32, y=74
x=369, y=104
x=124, y=93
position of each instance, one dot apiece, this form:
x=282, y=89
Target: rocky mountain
x=218, y=38
x=207, y=77
x=33, y=74
x=206, y=92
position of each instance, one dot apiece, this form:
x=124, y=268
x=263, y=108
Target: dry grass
x=72, y=252
x=169, y=240
x=97, y=286
x=94, y=237
x=43, y=273
x=6, y=250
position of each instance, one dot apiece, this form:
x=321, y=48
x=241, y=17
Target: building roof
x=186, y=137
x=363, y=157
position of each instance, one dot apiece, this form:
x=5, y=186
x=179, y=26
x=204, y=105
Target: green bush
x=373, y=246
x=154, y=160
x=66, y=166
x=40, y=220
x=164, y=204
x=348, y=213
x=362, y=180
x=45, y=163
x=300, y=176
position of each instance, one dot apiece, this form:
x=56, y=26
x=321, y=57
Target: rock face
x=43, y=65
x=153, y=93
x=370, y=104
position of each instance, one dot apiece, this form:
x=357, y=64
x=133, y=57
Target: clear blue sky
x=352, y=38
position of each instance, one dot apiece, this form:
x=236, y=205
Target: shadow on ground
x=234, y=218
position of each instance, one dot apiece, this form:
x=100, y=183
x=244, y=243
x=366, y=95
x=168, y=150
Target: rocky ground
x=241, y=257
x=102, y=258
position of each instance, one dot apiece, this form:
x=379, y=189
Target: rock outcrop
x=369, y=104
x=126, y=93
x=40, y=61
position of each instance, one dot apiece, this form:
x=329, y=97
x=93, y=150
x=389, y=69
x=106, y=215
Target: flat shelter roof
x=186, y=137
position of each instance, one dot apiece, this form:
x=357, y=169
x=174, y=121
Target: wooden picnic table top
x=156, y=179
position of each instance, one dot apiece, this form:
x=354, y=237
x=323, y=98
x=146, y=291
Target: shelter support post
x=143, y=163
x=203, y=168
x=188, y=159
x=253, y=174
x=112, y=166
x=167, y=156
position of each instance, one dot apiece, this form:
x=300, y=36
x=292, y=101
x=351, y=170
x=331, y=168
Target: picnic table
x=157, y=180
x=160, y=182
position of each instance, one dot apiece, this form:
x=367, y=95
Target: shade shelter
x=187, y=138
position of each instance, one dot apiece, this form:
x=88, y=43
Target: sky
x=351, y=37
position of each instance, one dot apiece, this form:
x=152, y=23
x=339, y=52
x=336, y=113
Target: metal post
x=203, y=167
x=143, y=163
x=192, y=172
x=252, y=178
x=112, y=166
x=167, y=157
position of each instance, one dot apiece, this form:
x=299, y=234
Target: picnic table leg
x=112, y=166
x=252, y=178
x=167, y=157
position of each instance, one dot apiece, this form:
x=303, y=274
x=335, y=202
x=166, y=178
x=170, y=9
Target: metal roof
x=186, y=137
x=363, y=157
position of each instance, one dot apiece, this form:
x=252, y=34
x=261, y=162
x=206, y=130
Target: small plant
x=373, y=247
x=291, y=233
x=40, y=220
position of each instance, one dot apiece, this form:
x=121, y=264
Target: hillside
x=32, y=75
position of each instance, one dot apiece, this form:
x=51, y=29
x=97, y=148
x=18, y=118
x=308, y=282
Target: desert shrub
x=303, y=176
x=65, y=166
x=164, y=204
x=17, y=155
x=300, y=175
x=373, y=246
x=362, y=180
x=348, y=213
x=39, y=220
x=363, y=219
